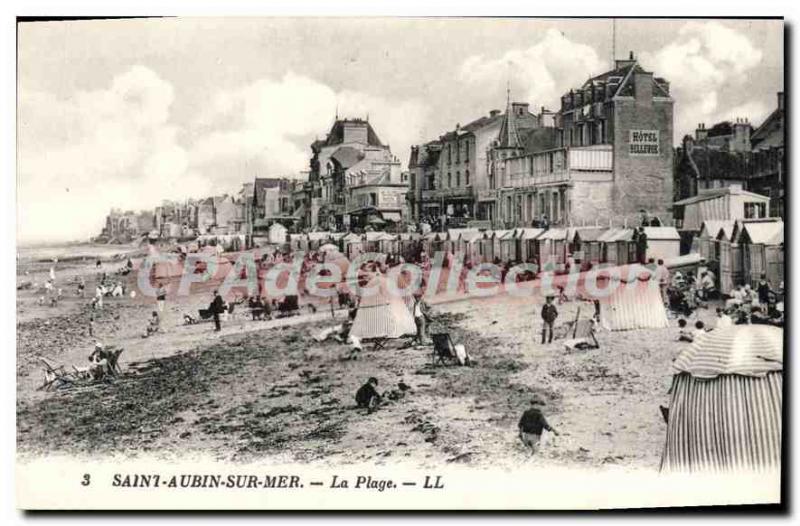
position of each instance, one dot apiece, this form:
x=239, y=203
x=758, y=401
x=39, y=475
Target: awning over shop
x=391, y=216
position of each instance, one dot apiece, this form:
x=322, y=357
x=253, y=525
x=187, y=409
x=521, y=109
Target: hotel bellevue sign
x=644, y=142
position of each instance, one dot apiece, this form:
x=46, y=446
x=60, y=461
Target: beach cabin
x=496, y=238
x=729, y=258
x=762, y=251
x=719, y=204
x=553, y=246
x=508, y=247
x=408, y=245
x=469, y=244
x=663, y=242
x=317, y=239
x=585, y=245
x=352, y=245
x=433, y=242
x=706, y=242
x=617, y=246
x=526, y=242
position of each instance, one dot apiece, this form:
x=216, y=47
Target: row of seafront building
x=601, y=158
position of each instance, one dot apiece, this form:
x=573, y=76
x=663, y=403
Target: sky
x=126, y=113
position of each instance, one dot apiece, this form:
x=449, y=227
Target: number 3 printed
x=87, y=479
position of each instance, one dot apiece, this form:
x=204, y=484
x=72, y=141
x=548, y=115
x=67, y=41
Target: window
x=466, y=152
x=449, y=180
x=458, y=178
x=449, y=154
x=373, y=199
x=466, y=178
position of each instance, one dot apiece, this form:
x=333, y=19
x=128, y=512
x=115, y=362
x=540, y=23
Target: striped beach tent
x=382, y=314
x=725, y=410
x=634, y=301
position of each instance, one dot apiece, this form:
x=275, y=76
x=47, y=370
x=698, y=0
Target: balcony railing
x=439, y=193
x=558, y=165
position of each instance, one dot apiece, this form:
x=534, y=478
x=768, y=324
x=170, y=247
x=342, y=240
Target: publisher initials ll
x=437, y=484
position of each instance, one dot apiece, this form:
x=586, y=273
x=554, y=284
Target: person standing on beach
x=663, y=277
x=420, y=318
x=161, y=297
x=531, y=426
x=99, y=291
x=549, y=315
x=217, y=307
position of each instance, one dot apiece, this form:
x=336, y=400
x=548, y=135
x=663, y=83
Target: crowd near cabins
x=517, y=185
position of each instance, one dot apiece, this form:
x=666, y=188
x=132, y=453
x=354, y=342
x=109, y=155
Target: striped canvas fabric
x=383, y=314
x=725, y=411
x=728, y=423
x=635, y=306
x=752, y=350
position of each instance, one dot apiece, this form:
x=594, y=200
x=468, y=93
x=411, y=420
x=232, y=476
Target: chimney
x=520, y=108
x=701, y=133
x=780, y=100
x=621, y=63
x=643, y=87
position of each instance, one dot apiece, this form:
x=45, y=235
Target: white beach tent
x=635, y=301
x=725, y=409
x=382, y=314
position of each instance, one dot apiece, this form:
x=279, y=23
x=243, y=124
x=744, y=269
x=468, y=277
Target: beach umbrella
x=329, y=247
x=727, y=398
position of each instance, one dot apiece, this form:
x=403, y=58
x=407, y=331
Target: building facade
x=354, y=181
x=733, y=153
x=613, y=156
x=453, y=177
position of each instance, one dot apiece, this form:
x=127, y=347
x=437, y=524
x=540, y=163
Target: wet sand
x=268, y=390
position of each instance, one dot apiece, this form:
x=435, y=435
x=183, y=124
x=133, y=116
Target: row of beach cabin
x=742, y=251
x=555, y=245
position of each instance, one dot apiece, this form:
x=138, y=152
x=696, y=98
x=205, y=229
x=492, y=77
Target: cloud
x=80, y=156
x=118, y=146
x=268, y=125
x=708, y=66
x=541, y=70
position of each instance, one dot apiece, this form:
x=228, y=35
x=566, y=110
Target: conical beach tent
x=382, y=314
x=725, y=411
x=635, y=301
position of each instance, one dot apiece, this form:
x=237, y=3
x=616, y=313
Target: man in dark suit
x=217, y=308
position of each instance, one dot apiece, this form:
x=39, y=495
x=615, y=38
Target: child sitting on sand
x=367, y=397
x=153, y=325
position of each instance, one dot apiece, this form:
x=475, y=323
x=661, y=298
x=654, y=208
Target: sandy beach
x=266, y=389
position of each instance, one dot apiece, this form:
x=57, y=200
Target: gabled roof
x=528, y=233
x=712, y=228
x=720, y=192
x=589, y=234
x=558, y=234
x=455, y=233
x=662, y=233
x=762, y=233
x=616, y=234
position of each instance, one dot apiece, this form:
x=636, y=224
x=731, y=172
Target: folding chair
x=443, y=349
x=55, y=375
x=583, y=336
x=379, y=343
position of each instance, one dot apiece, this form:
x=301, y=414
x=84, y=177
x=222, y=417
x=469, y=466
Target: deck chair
x=113, y=361
x=55, y=375
x=444, y=351
x=583, y=336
